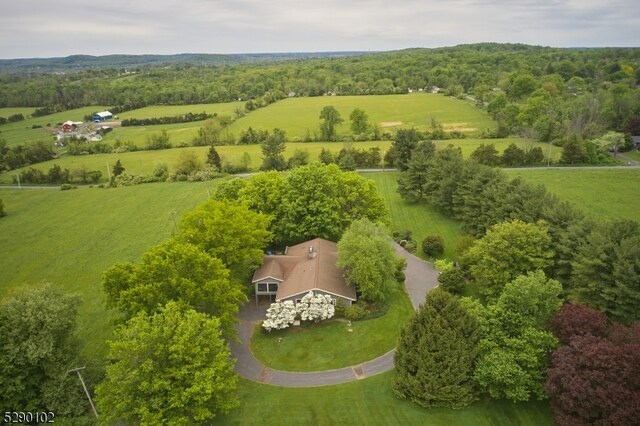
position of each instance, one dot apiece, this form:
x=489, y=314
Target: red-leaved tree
x=595, y=378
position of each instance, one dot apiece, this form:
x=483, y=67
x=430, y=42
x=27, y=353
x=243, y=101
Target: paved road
x=420, y=278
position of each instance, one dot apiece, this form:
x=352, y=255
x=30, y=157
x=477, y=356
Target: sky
x=41, y=28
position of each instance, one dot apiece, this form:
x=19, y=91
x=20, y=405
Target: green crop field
x=369, y=402
x=602, y=193
x=421, y=219
x=300, y=116
x=70, y=237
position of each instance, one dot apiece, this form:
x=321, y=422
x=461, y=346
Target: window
x=273, y=287
x=262, y=287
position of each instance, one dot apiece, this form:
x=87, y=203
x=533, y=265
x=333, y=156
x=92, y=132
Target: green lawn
x=634, y=155
x=70, y=237
x=422, y=219
x=369, y=402
x=300, y=116
x=227, y=108
x=25, y=111
x=602, y=193
x=329, y=345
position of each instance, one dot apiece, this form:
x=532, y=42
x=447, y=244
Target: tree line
x=530, y=252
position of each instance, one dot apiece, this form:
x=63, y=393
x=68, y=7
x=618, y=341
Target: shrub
x=433, y=245
x=452, y=280
x=410, y=247
x=356, y=312
x=443, y=265
x=2, y=212
x=67, y=186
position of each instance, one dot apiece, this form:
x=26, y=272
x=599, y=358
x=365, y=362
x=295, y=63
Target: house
x=304, y=267
x=636, y=142
x=69, y=126
x=102, y=116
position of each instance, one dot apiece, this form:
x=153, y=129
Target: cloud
x=36, y=28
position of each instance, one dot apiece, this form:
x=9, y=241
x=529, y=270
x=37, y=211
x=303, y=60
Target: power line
x=77, y=370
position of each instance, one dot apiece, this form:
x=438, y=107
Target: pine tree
x=118, y=168
x=213, y=158
x=436, y=352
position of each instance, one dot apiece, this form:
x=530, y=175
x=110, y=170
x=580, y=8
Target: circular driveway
x=421, y=277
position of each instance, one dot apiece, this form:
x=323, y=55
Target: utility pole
x=77, y=370
x=108, y=171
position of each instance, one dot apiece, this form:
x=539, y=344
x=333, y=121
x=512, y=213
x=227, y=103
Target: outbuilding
x=102, y=116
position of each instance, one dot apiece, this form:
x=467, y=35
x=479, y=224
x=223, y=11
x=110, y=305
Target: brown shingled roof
x=301, y=270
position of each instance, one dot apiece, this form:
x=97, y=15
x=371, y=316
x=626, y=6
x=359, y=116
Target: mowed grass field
x=602, y=193
x=369, y=402
x=421, y=218
x=301, y=116
x=8, y=112
x=70, y=237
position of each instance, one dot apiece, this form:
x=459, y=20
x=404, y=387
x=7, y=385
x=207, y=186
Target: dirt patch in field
x=460, y=127
x=390, y=123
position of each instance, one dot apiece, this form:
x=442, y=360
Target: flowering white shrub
x=280, y=315
x=315, y=307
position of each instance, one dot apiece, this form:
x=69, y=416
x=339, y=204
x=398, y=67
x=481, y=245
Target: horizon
x=33, y=29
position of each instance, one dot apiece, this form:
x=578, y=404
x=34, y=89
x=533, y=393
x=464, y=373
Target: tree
x=299, y=158
x=174, y=271
x=326, y=157
x=315, y=307
x=209, y=134
x=436, y=352
x=514, y=354
x=513, y=156
x=359, y=121
x=452, y=280
x=188, y=163
x=593, y=380
x=160, y=141
x=213, y=159
x=509, y=249
x=412, y=183
x=273, y=150
x=171, y=367
x=443, y=177
x=228, y=231
x=368, y=260
x=37, y=347
x=487, y=155
x=573, y=152
x=322, y=201
x=330, y=119
x=605, y=270
x=2, y=212
x=403, y=145
x=433, y=245
x=280, y=315
x=118, y=169
x=576, y=319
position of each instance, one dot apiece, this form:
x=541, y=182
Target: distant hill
x=85, y=62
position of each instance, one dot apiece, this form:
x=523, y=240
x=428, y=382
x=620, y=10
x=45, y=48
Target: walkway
x=420, y=278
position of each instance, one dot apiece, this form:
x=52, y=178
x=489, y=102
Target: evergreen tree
x=118, y=168
x=213, y=158
x=411, y=185
x=403, y=145
x=436, y=353
x=273, y=150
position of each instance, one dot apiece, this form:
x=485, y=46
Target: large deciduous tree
x=37, y=347
x=403, y=145
x=509, y=249
x=174, y=271
x=171, y=367
x=330, y=119
x=229, y=231
x=368, y=259
x=514, y=353
x=594, y=378
x=359, y=121
x=436, y=352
